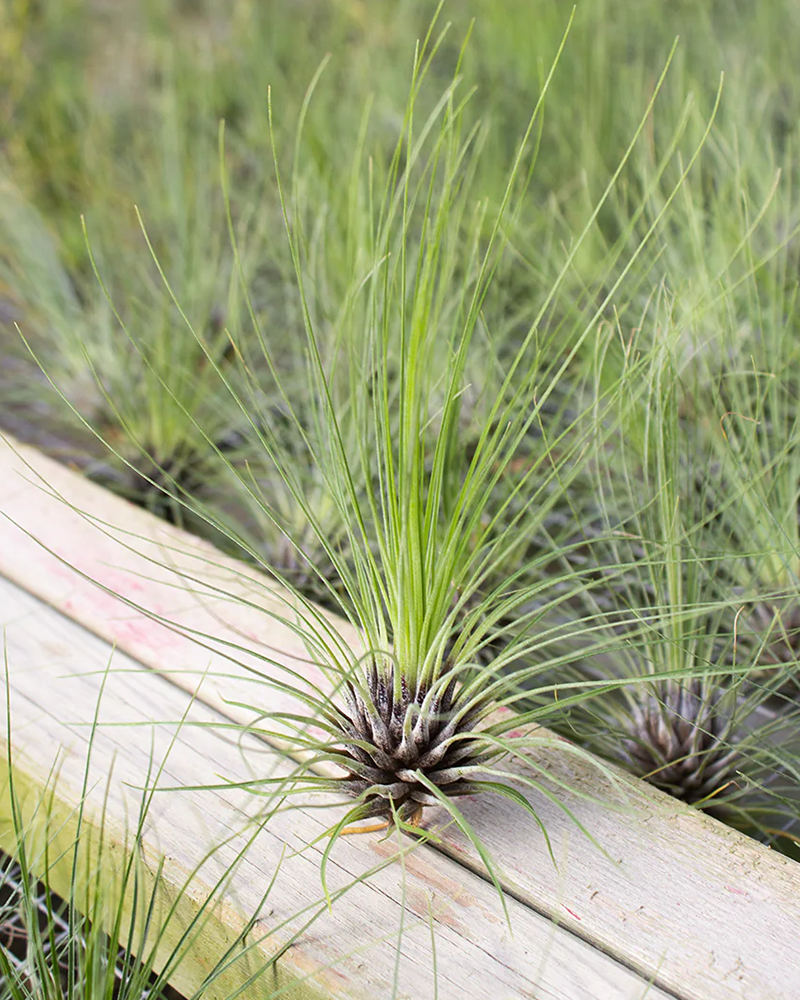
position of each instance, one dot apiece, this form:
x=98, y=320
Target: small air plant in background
x=719, y=744
x=696, y=717
x=85, y=381
x=758, y=443
x=153, y=395
x=746, y=415
x=39, y=297
x=679, y=738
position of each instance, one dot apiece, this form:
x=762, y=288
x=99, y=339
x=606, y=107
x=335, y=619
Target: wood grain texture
x=700, y=909
x=56, y=671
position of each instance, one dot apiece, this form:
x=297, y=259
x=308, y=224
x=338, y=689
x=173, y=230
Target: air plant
x=410, y=718
x=733, y=331
x=694, y=719
x=140, y=398
x=40, y=297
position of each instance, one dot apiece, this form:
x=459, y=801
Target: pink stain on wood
x=142, y=633
x=122, y=583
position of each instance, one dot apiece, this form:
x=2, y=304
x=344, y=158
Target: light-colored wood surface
x=56, y=670
x=701, y=910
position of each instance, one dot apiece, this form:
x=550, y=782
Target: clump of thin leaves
x=756, y=442
x=697, y=718
x=410, y=718
x=142, y=399
x=116, y=931
x=416, y=435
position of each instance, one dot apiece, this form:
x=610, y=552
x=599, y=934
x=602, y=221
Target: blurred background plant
x=699, y=717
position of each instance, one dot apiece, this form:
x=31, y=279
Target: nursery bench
x=663, y=901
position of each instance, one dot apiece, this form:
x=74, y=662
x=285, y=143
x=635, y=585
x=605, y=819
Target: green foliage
x=523, y=411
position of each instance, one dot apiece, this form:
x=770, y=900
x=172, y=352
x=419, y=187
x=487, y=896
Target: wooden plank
x=671, y=865
x=56, y=670
x=719, y=911
x=133, y=555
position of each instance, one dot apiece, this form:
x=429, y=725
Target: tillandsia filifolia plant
x=412, y=717
x=39, y=297
x=412, y=722
x=755, y=438
x=141, y=397
x=694, y=719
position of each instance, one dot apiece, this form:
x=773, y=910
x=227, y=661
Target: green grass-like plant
x=97, y=917
x=411, y=717
x=697, y=718
x=433, y=389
